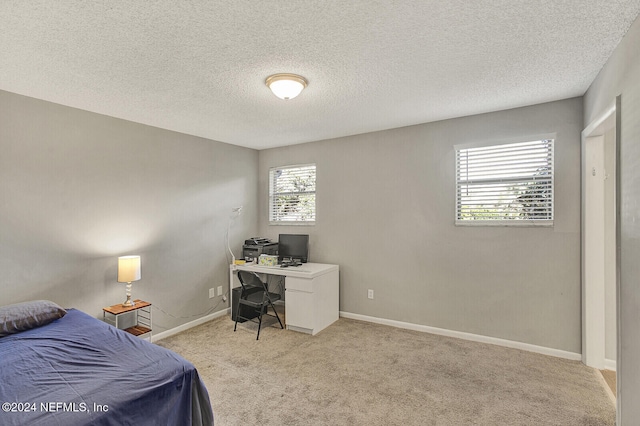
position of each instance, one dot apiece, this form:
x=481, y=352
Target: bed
x=77, y=370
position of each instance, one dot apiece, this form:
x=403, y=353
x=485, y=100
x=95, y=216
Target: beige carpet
x=357, y=373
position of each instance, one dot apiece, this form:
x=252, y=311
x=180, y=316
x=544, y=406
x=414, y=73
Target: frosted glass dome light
x=286, y=86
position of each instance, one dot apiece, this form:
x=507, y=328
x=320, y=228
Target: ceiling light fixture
x=286, y=86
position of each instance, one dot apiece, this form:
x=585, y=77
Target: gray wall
x=385, y=214
x=78, y=189
x=621, y=76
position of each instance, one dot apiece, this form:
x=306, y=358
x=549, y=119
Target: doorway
x=600, y=159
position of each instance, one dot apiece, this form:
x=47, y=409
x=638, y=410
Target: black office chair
x=256, y=296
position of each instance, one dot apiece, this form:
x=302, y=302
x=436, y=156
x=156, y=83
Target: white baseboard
x=191, y=324
x=610, y=364
x=466, y=336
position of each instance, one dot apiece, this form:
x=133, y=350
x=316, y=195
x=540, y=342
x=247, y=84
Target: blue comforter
x=78, y=370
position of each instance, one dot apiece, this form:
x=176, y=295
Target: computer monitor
x=294, y=247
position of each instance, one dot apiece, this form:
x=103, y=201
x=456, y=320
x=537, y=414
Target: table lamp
x=128, y=271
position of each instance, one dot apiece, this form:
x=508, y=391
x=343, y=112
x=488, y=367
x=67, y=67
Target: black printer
x=254, y=247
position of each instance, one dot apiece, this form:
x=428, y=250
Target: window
x=505, y=184
x=292, y=194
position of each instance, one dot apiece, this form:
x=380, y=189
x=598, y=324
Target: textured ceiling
x=199, y=67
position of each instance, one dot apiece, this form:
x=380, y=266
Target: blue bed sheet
x=78, y=370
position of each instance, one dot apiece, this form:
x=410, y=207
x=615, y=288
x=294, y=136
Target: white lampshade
x=286, y=86
x=128, y=269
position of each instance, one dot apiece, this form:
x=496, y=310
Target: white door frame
x=593, y=251
x=593, y=289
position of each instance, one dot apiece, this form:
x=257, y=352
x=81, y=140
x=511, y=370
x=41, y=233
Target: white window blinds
x=506, y=184
x=292, y=194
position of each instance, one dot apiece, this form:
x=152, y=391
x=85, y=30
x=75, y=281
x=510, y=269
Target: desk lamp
x=128, y=271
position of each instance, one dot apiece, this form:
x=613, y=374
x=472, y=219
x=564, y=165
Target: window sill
x=507, y=223
x=285, y=223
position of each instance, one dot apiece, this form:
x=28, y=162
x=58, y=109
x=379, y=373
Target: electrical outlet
x=370, y=294
x=212, y=293
x=219, y=290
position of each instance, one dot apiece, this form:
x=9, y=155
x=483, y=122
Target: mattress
x=78, y=370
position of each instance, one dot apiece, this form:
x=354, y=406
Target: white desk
x=311, y=299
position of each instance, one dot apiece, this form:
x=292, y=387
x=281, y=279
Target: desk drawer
x=299, y=284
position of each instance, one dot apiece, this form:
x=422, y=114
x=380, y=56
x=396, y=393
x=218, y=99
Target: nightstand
x=132, y=319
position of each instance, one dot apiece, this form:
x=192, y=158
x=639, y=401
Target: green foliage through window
x=505, y=183
x=292, y=194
